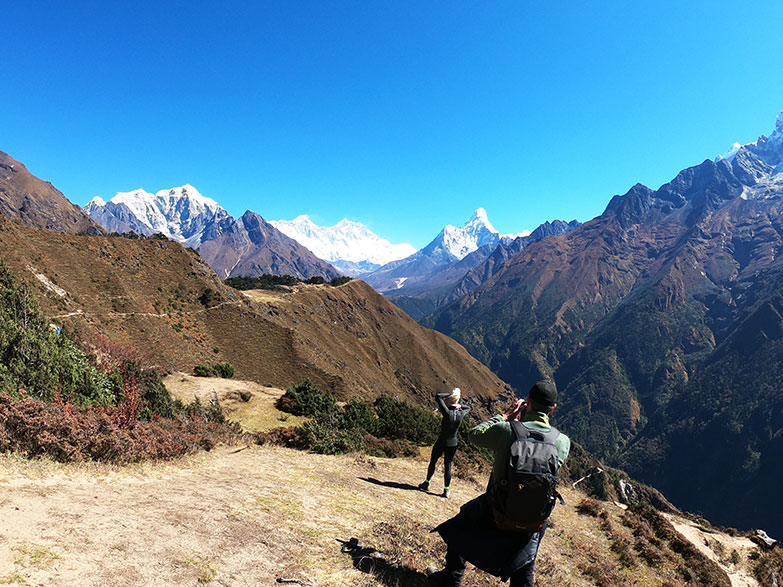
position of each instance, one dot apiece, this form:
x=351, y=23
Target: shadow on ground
x=392, y=484
x=370, y=561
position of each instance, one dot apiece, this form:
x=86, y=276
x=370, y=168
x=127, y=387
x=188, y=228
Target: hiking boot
x=424, y=486
x=446, y=493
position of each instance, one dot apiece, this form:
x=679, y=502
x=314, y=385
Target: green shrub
x=338, y=281
x=211, y=412
x=324, y=436
x=203, y=370
x=316, y=280
x=396, y=419
x=305, y=399
x=387, y=428
x=42, y=359
x=360, y=415
x=224, y=370
x=383, y=447
x=207, y=297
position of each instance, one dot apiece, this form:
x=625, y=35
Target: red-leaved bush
x=66, y=432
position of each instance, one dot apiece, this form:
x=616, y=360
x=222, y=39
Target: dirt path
x=718, y=547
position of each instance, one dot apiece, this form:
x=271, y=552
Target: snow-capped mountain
x=181, y=214
x=348, y=245
x=247, y=246
x=459, y=241
x=448, y=248
x=768, y=149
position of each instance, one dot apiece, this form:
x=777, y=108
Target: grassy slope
x=146, y=293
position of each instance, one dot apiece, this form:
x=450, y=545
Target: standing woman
x=446, y=444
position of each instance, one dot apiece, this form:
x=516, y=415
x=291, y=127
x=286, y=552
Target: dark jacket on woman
x=452, y=418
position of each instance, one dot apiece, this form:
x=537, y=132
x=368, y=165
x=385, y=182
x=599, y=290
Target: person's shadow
x=392, y=484
x=370, y=561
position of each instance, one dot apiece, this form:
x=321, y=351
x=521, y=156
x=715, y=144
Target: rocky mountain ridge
x=34, y=202
x=453, y=280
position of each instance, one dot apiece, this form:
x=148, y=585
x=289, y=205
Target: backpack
x=523, y=501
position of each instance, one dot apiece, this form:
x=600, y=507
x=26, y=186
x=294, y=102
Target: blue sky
x=403, y=115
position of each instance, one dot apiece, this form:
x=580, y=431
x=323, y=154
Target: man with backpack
x=500, y=531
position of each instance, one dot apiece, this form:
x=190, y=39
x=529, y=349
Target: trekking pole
x=597, y=470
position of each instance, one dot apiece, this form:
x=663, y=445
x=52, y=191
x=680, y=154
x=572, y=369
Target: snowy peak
x=345, y=243
x=768, y=149
x=463, y=240
x=180, y=213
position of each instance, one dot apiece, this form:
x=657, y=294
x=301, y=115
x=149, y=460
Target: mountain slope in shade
x=248, y=246
x=33, y=202
x=452, y=245
x=660, y=321
x=350, y=246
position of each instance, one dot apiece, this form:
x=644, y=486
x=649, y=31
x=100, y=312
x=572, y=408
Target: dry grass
x=249, y=516
x=256, y=415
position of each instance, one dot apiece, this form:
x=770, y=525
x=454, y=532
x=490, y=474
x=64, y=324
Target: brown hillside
x=37, y=203
x=358, y=335
x=147, y=293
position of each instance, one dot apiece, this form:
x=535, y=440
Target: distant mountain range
x=163, y=298
x=449, y=247
x=349, y=246
x=417, y=281
x=662, y=323
x=455, y=262
x=247, y=246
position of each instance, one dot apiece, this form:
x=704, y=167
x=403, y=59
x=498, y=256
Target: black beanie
x=544, y=392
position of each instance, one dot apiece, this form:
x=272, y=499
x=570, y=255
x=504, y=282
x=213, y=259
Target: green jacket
x=496, y=434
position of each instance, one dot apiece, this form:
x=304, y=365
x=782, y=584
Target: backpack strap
x=522, y=432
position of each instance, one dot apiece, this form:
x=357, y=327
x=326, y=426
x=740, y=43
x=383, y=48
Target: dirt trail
x=718, y=547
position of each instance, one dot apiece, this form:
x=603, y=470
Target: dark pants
x=451, y=576
x=437, y=451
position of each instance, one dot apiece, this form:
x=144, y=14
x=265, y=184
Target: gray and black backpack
x=523, y=501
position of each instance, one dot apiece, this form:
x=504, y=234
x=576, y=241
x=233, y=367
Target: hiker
x=501, y=530
x=446, y=444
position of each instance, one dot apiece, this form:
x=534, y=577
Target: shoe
x=446, y=493
x=424, y=486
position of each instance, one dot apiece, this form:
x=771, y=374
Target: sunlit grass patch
x=39, y=557
x=205, y=569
